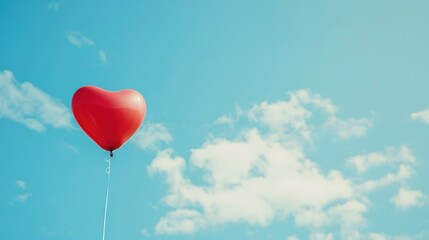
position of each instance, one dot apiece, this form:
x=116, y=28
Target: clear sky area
x=266, y=120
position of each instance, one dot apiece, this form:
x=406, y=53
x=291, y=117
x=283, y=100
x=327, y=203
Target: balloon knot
x=111, y=153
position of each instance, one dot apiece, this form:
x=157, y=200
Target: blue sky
x=265, y=120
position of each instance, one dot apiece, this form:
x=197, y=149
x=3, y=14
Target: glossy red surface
x=108, y=118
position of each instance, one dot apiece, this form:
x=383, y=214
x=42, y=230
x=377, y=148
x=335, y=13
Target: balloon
x=108, y=118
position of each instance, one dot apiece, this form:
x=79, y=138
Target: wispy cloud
x=229, y=119
x=224, y=119
x=404, y=173
x=71, y=148
x=389, y=156
x=78, y=39
x=26, y=104
x=54, y=6
x=102, y=56
x=349, y=128
x=407, y=198
x=422, y=116
x=23, y=197
x=152, y=136
x=145, y=232
x=21, y=184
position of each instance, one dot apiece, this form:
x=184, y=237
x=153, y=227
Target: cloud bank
x=263, y=173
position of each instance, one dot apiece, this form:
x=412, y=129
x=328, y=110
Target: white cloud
x=294, y=237
x=78, y=39
x=21, y=198
x=263, y=174
x=314, y=218
x=349, y=216
x=321, y=236
x=230, y=119
x=173, y=166
x=404, y=173
x=180, y=221
x=407, y=198
x=422, y=116
x=21, y=184
x=376, y=236
x=54, y=6
x=293, y=116
x=275, y=179
x=151, y=136
x=349, y=128
x=102, y=56
x=225, y=119
x=382, y=236
x=389, y=156
x=24, y=103
x=281, y=115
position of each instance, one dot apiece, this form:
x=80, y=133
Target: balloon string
x=107, y=196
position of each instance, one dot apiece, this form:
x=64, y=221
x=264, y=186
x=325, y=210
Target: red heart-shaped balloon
x=108, y=118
